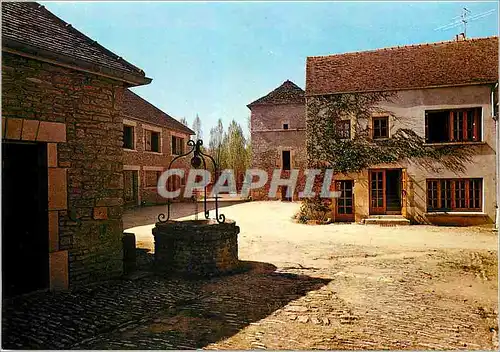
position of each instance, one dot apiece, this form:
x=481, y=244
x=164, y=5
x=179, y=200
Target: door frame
x=403, y=197
x=344, y=217
x=377, y=210
x=54, y=134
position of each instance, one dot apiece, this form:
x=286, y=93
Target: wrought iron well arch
x=196, y=162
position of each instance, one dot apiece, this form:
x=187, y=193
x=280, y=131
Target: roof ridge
x=286, y=93
x=406, y=46
x=92, y=42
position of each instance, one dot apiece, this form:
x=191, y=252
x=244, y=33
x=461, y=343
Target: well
x=196, y=247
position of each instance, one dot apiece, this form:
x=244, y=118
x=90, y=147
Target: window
x=463, y=125
x=380, y=127
x=285, y=159
x=177, y=145
x=454, y=194
x=285, y=126
x=343, y=129
x=152, y=140
x=151, y=178
x=128, y=137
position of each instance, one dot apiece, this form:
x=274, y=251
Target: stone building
x=278, y=135
x=151, y=139
x=62, y=151
x=445, y=93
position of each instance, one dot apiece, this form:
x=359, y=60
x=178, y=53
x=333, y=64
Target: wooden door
x=344, y=204
x=404, y=193
x=377, y=192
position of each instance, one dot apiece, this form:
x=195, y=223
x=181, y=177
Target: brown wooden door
x=404, y=193
x=344, y=209
x=377, y=192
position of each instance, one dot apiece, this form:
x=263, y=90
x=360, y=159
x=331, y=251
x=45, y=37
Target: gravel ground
x=307, y=287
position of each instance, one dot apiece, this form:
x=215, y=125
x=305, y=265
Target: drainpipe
x=497, y=152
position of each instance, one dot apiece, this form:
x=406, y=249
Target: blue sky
x=214, y=58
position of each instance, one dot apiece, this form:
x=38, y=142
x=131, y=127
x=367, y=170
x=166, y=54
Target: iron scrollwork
x=198, y=160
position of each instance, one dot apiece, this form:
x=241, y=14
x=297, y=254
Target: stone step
x=389, y=221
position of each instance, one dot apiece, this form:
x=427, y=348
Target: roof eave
x=398, y=89
x=184, y=129
x=18, y=48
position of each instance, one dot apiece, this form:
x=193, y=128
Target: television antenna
x=463, y=19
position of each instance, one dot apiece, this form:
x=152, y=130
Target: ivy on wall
x=327, y=149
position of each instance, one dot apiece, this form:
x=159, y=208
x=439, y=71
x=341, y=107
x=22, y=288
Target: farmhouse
x=443, y=95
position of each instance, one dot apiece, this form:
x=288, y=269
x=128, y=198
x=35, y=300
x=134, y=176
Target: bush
x=314, y=209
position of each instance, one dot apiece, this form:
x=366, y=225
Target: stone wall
x=88, y=229
x=196, y=247
x=269, y=139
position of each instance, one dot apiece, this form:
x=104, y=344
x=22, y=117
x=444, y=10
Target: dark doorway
x=393, y=191
x=385, y=191
x=285, y=157
x=25, y=249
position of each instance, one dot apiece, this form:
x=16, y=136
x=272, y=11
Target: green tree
x=216, y=144
x=236, y=149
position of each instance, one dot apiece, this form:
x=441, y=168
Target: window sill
x=437, y=144
x=150, y=152
x=456, y=213
x=129, y=150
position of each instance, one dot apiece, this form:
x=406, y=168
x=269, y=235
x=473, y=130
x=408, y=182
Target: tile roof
x=469, y=61
x=138, y=108
x=287, y=93
x=30, y=28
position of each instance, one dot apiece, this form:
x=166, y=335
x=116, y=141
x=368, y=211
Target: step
x=387, y=221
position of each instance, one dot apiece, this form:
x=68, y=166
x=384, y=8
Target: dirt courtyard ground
x=405, y=287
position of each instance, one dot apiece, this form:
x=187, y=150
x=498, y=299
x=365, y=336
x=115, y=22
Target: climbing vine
x=327, y=149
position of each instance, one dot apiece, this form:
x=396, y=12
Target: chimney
x=460, y=37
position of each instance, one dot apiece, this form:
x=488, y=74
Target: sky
x=214, y=58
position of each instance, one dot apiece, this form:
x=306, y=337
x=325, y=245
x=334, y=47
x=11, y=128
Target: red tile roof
x=287, y=93
x=469, y=61
x=136, y=107
x=30, y=28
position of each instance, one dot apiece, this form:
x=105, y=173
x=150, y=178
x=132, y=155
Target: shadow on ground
x=151, y=313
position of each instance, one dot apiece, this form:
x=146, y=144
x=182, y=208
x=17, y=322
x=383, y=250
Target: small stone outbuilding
x=62, y=172
x=278, y=135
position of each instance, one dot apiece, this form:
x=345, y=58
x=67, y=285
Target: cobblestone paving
x=377, y=305
x=60, y=320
